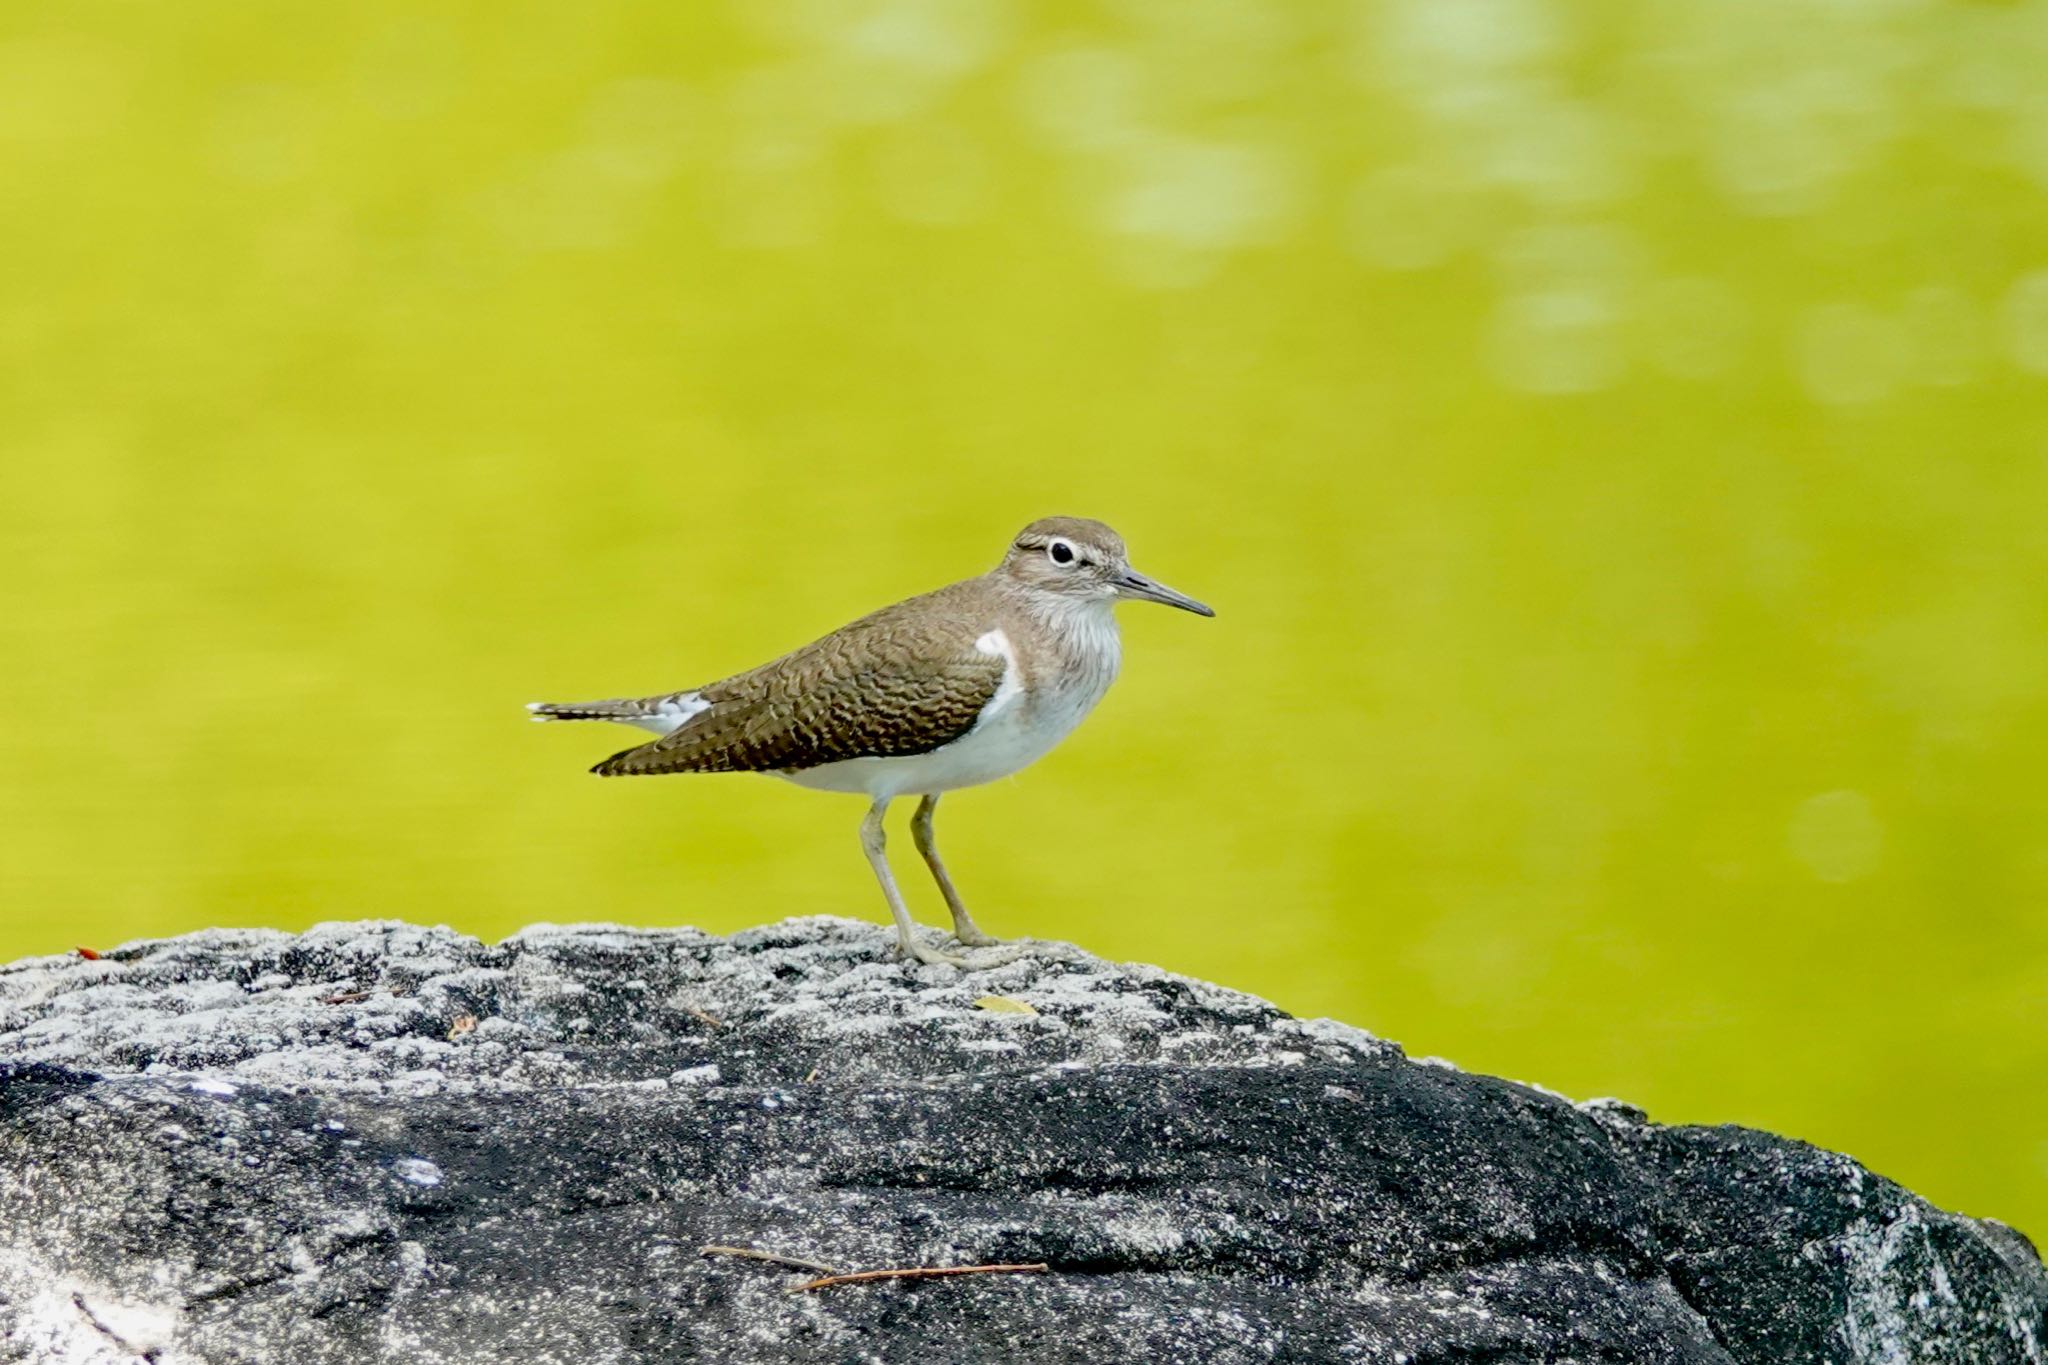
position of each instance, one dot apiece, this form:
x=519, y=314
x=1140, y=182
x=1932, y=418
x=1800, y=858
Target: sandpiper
x=950, y=689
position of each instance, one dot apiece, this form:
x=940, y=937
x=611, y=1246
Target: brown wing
x=905, y=680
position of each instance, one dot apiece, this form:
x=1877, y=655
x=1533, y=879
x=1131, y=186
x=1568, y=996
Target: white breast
x=1015, y=729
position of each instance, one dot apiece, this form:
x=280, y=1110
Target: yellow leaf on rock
x=1003, y=1004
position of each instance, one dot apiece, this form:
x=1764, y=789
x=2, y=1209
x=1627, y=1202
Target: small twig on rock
x=703, y=1016
x=920, y=1272
x=345, y=998
x=751, y=1254
x=78, y=1302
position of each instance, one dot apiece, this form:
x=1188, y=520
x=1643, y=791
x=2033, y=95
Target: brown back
x=904, y=680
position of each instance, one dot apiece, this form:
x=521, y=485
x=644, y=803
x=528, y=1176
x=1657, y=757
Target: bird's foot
x=972, y=937
x=911, y=948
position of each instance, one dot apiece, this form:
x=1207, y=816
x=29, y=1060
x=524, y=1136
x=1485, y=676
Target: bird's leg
x=964, y=927
x=873, y=841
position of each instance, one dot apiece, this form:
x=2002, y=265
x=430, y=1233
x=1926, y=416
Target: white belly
x=1013, y=732
x=996, y=748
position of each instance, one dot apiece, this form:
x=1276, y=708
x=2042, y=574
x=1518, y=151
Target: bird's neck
x=1079, y=633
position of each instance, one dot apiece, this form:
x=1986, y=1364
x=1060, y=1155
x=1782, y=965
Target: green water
x=1613, y=438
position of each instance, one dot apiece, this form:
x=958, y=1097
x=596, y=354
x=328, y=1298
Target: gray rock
x=375, y=1142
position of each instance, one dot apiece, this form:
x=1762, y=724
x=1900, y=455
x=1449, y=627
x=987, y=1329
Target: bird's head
x=1075, y=559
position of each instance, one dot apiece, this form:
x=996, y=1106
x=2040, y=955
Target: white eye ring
x=1060, y=553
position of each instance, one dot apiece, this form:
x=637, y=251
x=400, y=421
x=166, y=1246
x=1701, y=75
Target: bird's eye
x=1061, y=552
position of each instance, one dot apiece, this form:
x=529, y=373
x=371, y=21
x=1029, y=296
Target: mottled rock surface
x=380, y=1143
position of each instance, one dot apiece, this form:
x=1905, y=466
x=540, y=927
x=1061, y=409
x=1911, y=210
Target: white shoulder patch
x=998, y=644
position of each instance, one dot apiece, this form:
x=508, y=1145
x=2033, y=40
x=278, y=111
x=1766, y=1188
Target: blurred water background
x=1614, y=437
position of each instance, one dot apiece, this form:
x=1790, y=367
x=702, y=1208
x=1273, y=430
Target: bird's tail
x=659, y=714
x=618, y=708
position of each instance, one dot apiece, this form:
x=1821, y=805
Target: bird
x=950, y=689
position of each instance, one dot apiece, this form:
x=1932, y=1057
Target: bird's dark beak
x=1136, y=585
